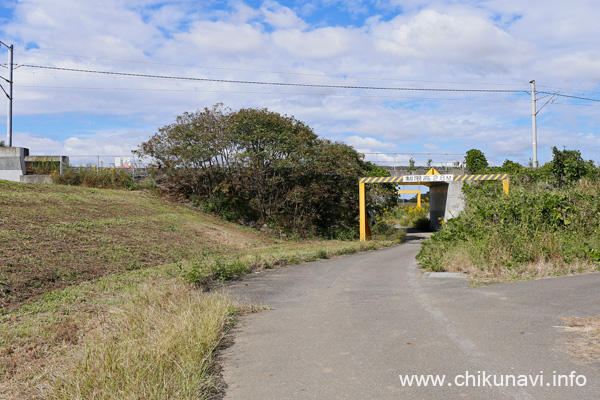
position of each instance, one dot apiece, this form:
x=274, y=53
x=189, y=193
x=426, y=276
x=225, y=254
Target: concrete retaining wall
x=455, y=201
x=36, y=178
x=445, y=201
x=12, y=163
x=437, y=204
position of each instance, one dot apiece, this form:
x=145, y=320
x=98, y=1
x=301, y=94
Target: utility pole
x=534, y=113
x=9, y=94
x=534, y=124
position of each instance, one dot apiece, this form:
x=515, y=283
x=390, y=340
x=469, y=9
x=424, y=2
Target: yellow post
x=419, y=199
x=506, y=186
x=365, y=231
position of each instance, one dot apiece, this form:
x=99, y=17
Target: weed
x=322, y=254
x=115, y=178
x=226, y=270
x=159, y=344
x=536, y=231
x=411, y=215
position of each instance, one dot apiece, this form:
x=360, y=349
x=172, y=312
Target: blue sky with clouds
x=453, y=45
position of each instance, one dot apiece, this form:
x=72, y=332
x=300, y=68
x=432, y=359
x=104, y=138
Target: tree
x=260, y=167
x=511, y=167
x=475, y=161
x=568, y=166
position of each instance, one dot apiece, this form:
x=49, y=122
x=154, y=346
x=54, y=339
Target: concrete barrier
x=36, y=179
x=12, y=163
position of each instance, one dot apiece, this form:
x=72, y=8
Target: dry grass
x=158, y=345
x=585, y=345
x=458, y=259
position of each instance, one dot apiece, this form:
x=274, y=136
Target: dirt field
x=54, y=236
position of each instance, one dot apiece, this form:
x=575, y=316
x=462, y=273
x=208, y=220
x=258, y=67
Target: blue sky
x=458, y=45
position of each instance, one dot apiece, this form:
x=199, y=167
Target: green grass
x=537, y=231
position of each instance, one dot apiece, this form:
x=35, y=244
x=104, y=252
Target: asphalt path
x=348, y=327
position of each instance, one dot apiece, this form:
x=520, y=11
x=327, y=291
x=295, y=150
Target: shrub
x=410, y=215
x=112, y=178
x=568, y=166
x=535, y=225
x=261, y=167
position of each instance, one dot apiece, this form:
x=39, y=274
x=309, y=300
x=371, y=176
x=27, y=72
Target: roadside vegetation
x=409, y=215
x=103, y=293
x=99, y=177
x=547, y=226
x=261, y=168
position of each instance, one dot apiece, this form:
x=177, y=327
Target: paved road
x=346, y=328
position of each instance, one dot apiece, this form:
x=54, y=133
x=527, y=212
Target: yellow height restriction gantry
x=432, y=177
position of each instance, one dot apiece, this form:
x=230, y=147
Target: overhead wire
x=269, y=72
x=268, y=93
x=568, y=89
x=303, y=74
x=570, y=97
x=308, y=85
x=236, y=81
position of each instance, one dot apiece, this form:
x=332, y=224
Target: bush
x=568, y=166
x=262, y=168
x=112, y=178
x=508, y=235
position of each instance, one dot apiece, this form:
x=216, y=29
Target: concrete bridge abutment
x=12, y=163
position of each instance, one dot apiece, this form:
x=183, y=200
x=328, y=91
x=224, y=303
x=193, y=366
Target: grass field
x=101, y=291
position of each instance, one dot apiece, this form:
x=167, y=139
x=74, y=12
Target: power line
x=169, y=77
x=296, y=73
x=268, y=93
x=319, y=94
x=569, y=89
x=272, y=83
x=268, y=72
x=570, y=97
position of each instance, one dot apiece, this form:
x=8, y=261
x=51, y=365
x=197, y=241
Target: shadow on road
x=413, y=234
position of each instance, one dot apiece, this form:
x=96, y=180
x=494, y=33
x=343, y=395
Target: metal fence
x=403, y=161
x=46, y=164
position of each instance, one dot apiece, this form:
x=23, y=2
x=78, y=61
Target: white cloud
x=319, y=44
x=369, y=143
x=469, y=40
x=282, y=17
x=431, y=44
x=102, y=143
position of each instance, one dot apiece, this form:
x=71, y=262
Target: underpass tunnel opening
x=446, y=200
